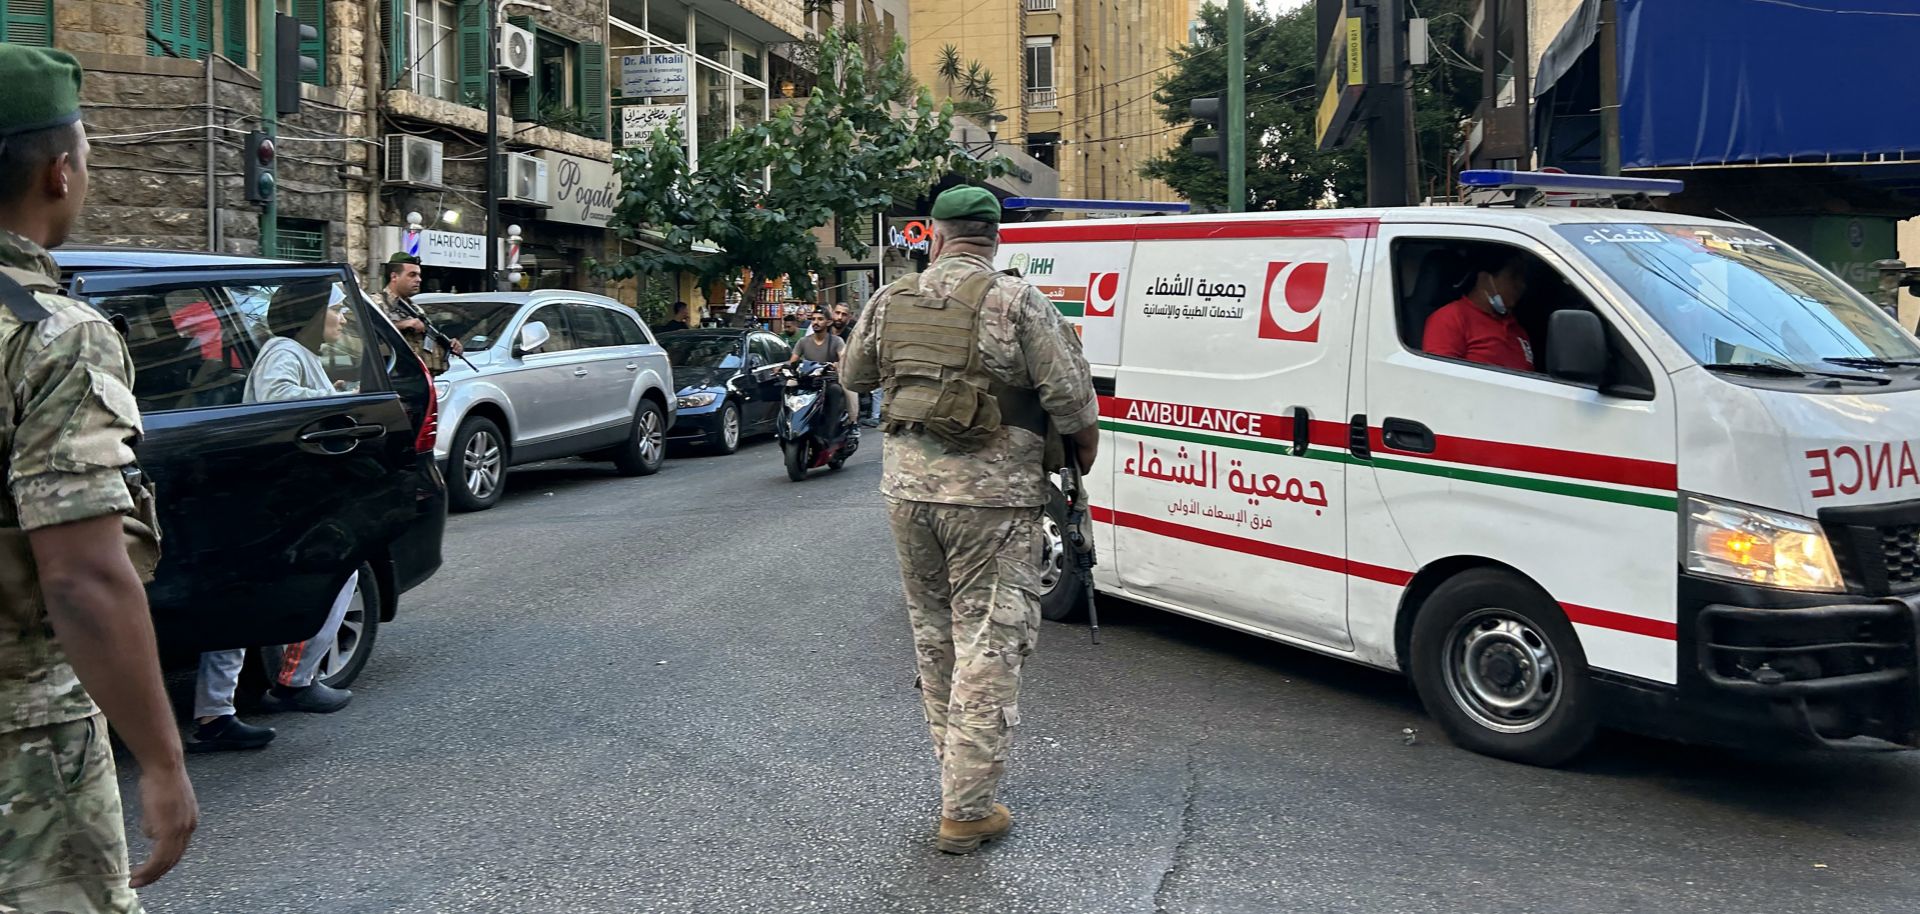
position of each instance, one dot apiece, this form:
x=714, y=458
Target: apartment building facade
x=388, y=150
x=1074, y=81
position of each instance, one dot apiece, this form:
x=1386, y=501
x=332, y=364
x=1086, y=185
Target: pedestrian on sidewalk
x=303, y=317
x=78, y=536
x=981, y=374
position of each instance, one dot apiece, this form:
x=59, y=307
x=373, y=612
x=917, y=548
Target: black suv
x=270, y=496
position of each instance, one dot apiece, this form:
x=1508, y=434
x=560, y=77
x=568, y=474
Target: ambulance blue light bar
x=1097, y=206
x=1549, y=182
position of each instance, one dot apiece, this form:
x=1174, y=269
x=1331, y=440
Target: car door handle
x=632, y=366
x=1406, y=435
x=354, y=432
x=579, y=372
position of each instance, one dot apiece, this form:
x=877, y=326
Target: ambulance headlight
x=1760, y=547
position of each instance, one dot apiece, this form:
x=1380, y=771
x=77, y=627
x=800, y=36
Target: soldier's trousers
x=63, y=846
x=972, y=579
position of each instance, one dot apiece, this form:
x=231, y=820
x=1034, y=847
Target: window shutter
x=525, y=102
x=233, y=30
x=393, y=33
x=27, y=22
x=473, y=52
x=185, y=25
x=314, y=13
x=593, y=87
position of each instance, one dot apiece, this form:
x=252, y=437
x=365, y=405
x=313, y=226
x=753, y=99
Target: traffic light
x=1214, y=148
x=259, y=158
x=290, y=66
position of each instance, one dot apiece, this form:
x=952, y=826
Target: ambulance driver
x=1481, y=327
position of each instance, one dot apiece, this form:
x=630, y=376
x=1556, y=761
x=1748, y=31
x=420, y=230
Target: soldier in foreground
x=77, y=537
x=977, y=367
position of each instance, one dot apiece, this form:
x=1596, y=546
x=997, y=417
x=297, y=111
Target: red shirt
x=1462, y=330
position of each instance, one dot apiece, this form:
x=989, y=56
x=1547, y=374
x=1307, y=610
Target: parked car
x=729, y=385
x=552, y=374
x=267, y=507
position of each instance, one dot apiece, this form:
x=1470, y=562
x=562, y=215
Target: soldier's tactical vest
x=931, y=369
x=140, y=530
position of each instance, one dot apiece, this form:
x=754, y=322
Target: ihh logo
x=1103, y=294
x=1290, y=307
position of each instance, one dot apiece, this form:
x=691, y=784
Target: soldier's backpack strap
x=20, y=301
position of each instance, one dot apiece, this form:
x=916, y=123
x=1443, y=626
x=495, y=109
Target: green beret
x=976, y=204
x=43, y=89
x=403, y=257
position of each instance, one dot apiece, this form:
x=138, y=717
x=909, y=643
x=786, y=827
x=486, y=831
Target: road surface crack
x=1178, y=859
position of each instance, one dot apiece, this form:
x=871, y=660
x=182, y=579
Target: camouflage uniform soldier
x=975, y=366
x=403, y=283
x=77, y=536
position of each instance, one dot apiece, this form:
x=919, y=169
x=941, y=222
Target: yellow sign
x=1329, y=105
x=1356, y=53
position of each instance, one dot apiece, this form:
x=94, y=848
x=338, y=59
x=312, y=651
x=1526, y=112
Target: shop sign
x=638, y=122
x=653, y=75
x=584, y=190
x=914, y=235
x=446, y=249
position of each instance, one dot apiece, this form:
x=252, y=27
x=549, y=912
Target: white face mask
x=1496, y=303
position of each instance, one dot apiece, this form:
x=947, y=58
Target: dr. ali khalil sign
x=584, y=190
x=653, y=75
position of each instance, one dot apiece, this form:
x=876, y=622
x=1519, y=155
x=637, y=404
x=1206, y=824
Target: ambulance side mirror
x=1576, y=347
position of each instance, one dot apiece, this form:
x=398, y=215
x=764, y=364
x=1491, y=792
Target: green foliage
x=1285, y=169
x=850, y=155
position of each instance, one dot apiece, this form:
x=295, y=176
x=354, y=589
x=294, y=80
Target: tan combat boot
x=958, y=837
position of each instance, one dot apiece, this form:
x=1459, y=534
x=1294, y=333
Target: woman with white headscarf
x=303, y=318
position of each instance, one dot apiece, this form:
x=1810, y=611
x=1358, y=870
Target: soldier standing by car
x=403, y=283
x=977, y=366
x=77, y=537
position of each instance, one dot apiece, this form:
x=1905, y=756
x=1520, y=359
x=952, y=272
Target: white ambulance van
x=1698, y=517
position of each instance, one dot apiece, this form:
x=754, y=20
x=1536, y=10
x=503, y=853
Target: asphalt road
x=693, y=693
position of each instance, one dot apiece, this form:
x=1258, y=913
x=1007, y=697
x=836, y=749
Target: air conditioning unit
x=526, y=180
x=516, y=51
x=413, y=160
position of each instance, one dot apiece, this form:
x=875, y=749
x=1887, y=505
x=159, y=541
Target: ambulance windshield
x=1737, y=296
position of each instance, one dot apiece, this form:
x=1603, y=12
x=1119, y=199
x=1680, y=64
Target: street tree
x=1285, y=168
x=760, y=192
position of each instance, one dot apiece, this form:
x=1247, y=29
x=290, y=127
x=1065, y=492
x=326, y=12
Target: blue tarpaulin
x=1709, y=82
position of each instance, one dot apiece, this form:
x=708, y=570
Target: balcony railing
x=1041, y=6
x=1043, y=99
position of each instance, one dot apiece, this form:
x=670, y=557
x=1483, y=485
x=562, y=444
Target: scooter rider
x=822, y=345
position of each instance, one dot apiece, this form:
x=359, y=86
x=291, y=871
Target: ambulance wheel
x=1061, y=596
x=1499, y=667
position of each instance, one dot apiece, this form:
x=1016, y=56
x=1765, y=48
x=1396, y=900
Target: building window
x=27, y=22
x=568, y=89
x=1044, y=148
x=184, y=28
x=1040, y=90
x=435, y=71
x=302, y=239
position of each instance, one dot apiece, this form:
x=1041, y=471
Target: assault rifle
x=1078, y=533
x=412, y=311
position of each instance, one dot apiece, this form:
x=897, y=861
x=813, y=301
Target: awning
x=1574, y=39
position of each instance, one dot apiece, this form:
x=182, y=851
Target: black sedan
x=729, y=386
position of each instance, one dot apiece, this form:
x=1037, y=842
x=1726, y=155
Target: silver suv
x=554, y=374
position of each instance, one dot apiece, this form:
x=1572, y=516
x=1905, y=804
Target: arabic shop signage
x=652, y=75
x=638, y=122
x=584, y=190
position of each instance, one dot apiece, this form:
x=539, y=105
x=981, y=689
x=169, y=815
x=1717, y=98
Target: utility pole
x=1236, y=106
x=1390, y=150
x=266, y=39
x=493, y=145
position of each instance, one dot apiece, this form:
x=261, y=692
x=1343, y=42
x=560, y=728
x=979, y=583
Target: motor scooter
x=807, y=435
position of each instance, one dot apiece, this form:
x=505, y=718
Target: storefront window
x=716, y=115
x=711, y=39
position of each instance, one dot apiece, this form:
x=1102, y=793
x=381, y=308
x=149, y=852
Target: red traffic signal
x=260, y=181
